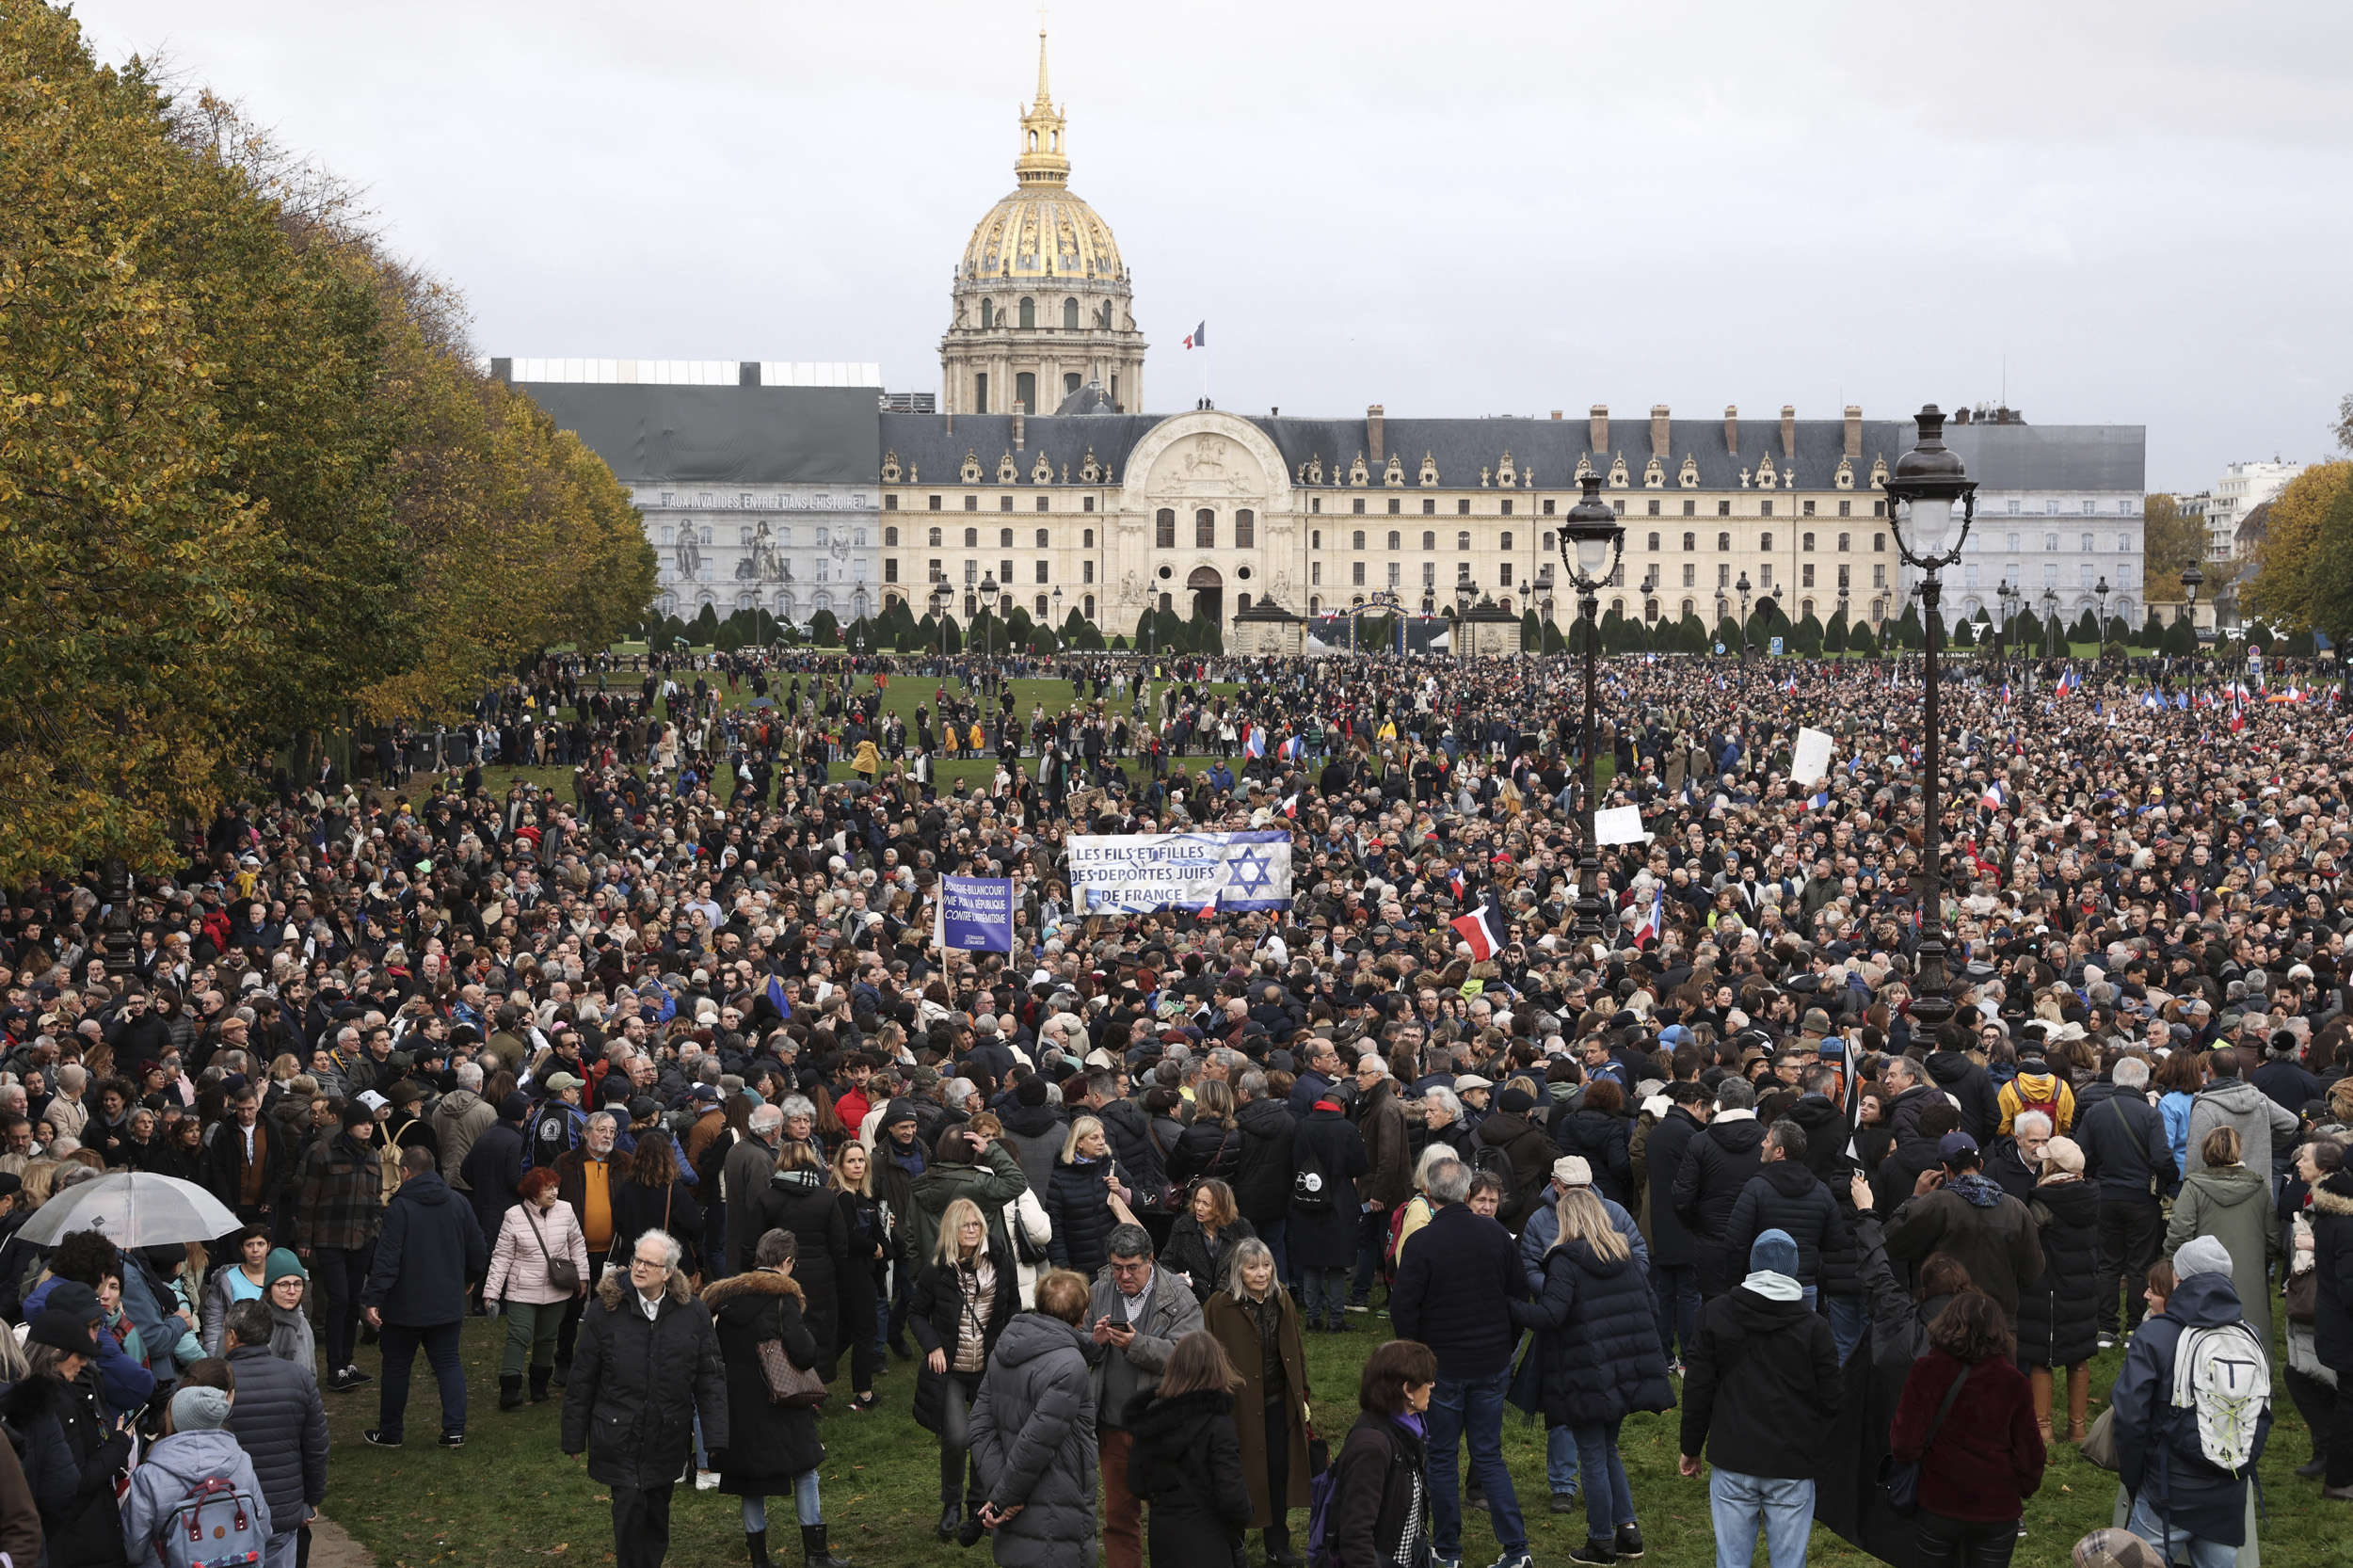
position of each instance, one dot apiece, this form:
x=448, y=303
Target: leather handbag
x=2099, y=1444
x=788, y=1385
x=563, y=1274
x=1900, y=1479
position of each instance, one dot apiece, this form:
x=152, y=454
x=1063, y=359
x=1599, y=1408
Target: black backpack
x=1492, y=1160
x=1311, y=1185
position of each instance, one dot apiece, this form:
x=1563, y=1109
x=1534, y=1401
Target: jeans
x=1560, y=1464
x=2185, y=1550
x=1965, y=1543
x=1609, y=1501
x=279, y=1551
x=1472, y=1409
x=1849, y=1320
x=342, y=1274
x=804, y=1504
x=531, y=1336
x=1321, y=1290
x=400, y=1343
x=1272, y=1232
x=1738, y=1503
x=956, y=1466
x=2131, y=1233
x=1674, y=1289
x=641, y=1524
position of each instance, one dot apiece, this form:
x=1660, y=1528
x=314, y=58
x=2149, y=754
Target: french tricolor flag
x=2067, y=682
x=1654, y=923
x=1482, y=928
x=1995, y=797
x=1294, y=748
x=1199, y=337
x=1455, y=884
x=1254, y=743
x=1820, y=801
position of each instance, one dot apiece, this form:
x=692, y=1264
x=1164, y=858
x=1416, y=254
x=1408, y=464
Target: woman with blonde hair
x=964, y=1296
x=872, y=1245
x=1257, y=1321
x=1201, y=1243
x=1078, y=1198
x=1596, y=1361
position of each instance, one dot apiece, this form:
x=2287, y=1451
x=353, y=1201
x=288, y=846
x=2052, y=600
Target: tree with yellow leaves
x=2304, y=576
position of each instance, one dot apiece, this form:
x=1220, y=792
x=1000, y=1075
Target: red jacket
x=1989, y=1456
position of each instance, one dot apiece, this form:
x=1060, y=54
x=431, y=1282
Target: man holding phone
x=1135, y=1314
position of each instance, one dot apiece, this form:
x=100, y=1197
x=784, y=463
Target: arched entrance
x=1208, y=594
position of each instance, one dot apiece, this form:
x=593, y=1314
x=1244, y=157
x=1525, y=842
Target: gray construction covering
x=723, y=435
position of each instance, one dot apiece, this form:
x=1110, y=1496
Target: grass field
x=510, y=1496
x=904, y=695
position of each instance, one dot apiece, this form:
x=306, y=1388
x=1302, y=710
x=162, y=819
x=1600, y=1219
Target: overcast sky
x=2138, y=214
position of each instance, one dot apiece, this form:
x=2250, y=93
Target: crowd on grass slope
x=671, y=1077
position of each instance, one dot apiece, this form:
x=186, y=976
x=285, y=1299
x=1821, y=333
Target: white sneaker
x=706, y=1481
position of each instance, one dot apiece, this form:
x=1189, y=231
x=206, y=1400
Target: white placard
x=1620, y=825
x=1811, y=760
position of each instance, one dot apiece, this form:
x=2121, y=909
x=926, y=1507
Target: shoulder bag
x=787, y=1385
x=1900, y=1479
x=2156, y=1186
x=563, y=1274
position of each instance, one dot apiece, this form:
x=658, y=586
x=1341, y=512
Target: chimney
x=1732, y=430
x=1661, y=442
x=1597, y=428
x=1854, y=431
x=1555, y=413
x=1788, y=432
x=1018, y=428
x=1373, y=418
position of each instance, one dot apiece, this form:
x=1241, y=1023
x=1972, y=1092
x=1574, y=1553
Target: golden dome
x=1041, y=230
x=1042, y=233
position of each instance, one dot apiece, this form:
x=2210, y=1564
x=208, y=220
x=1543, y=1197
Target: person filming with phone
x=1136, y=1313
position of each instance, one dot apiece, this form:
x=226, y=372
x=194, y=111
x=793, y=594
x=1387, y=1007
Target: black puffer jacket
x=1186, y=1458
x=1079, y=1206
x=280, y=1421
x=1600, y=1138
x=1130, y=1134
x=1784, y=1195
x=637, y=1386
x=2056, y=1313
x=1205, y=1149
x=1716, y=1167
x=1262, y=1179
x=1980, y=1103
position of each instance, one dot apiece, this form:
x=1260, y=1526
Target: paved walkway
x=331, y=1547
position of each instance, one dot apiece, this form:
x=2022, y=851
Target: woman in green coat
x=2231, y=1204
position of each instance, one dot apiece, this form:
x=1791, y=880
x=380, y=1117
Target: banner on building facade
x=975, y=914
x=1137, y=872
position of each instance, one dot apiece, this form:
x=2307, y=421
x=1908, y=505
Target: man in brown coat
x=1388, y=1178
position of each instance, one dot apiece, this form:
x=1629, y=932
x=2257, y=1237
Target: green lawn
x=905, y=695
x=511, y=1496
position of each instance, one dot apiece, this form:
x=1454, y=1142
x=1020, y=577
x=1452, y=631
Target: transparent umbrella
x=135, y=1208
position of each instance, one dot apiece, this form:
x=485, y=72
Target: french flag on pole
x=1199, y=337
x=1455, y=884
x=1294, y=748
x=1653, y=921
x=1253, y=743
x=1995, y=797
x=2067, y=682
x=1482, y=928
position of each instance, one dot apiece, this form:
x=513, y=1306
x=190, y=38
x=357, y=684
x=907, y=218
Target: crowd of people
x=670, y=1076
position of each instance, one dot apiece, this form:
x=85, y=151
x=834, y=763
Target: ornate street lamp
x=2050, y=623
x=2007, y=595
x=2100, y=592
x=1741, y=588
x=2192, y=579
x=1591, y=540
x=988, y=602
x=1928, y=480
x=940, y=598
x=1466, y=595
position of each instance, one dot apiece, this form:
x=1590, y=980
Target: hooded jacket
x=70, y=1461
x=994, y=1182
x=2232, y=1205
x=459, y=1120
x=1954, y=1072
x=1262, y=1177
x=799, y=1201
x=769, y=1442
x=1987, y=1231
x=1761, y=1387
x=1186, y=1461
x=280, y=1422
x=1531, y=1155
x=167, y=1472
x=2157, y=1449
x=1716, y=1165
x=429, y=1248
x=1785, y=1195
x=637, y=1384
x=1033, y=1432
x=1671, y=1241
x=2235, y=1102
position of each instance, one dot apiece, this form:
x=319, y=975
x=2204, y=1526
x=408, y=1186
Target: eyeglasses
x=648, y=1263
